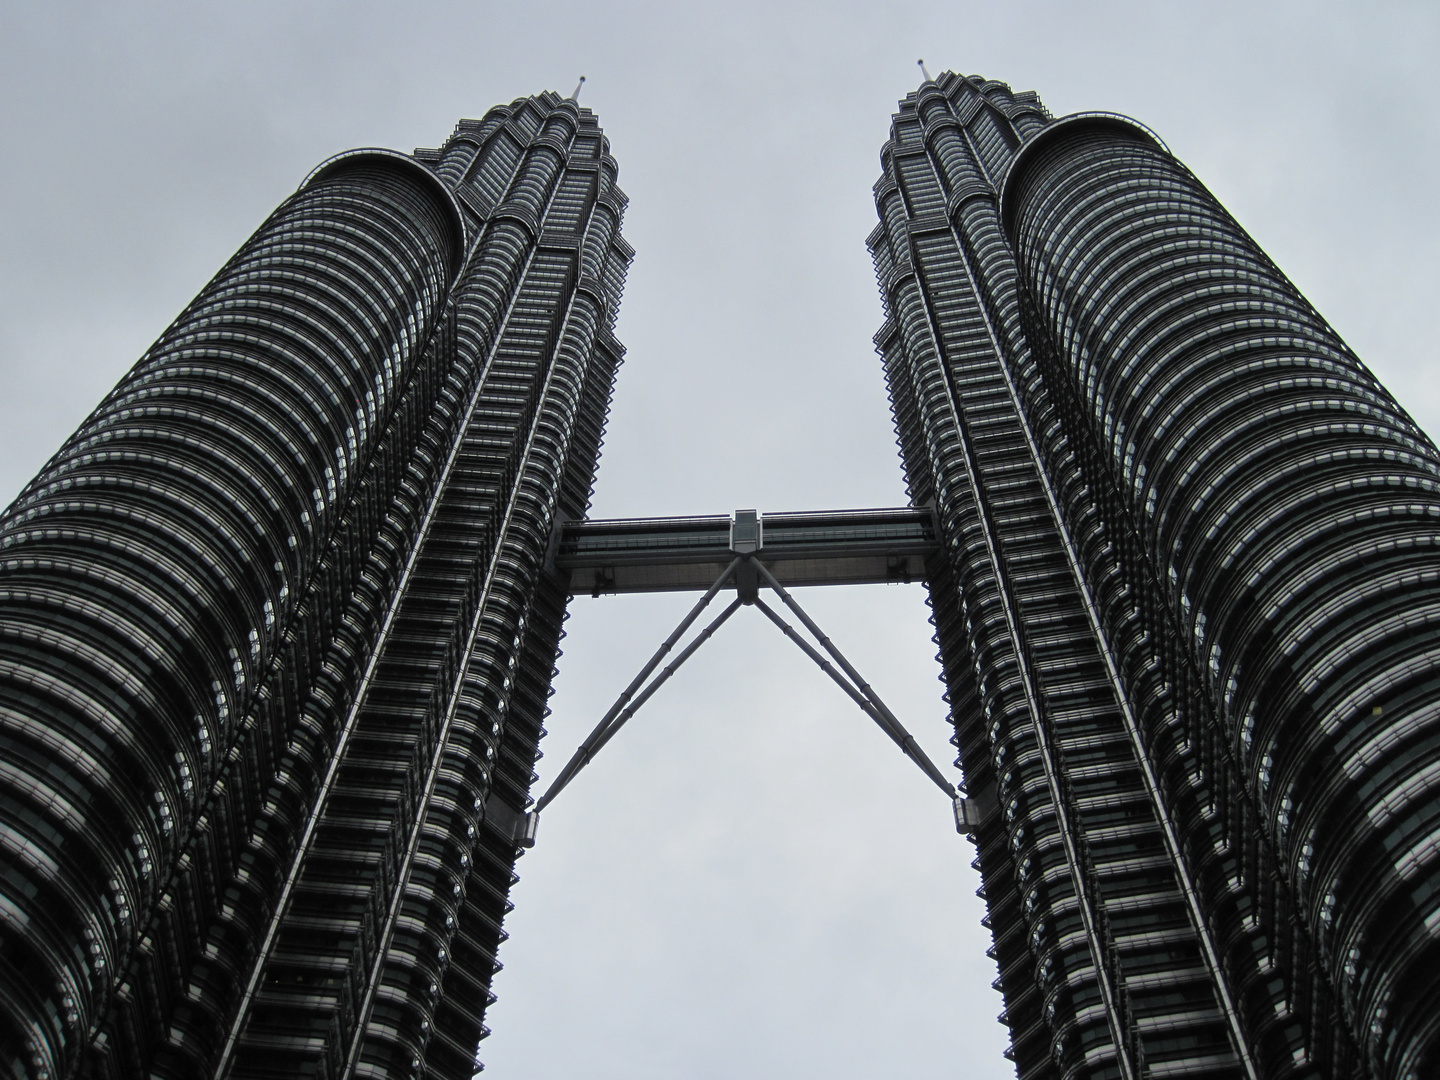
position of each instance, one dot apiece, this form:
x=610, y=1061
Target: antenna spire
x=924, y=71
x=575, y=94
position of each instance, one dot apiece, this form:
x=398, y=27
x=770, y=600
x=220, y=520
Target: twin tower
x=279, y=621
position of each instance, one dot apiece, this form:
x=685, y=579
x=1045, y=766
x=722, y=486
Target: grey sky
x=750, y=880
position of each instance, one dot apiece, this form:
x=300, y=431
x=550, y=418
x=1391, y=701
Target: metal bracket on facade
x=525, y=829
x=747, y=532
x=967, y=815
x=746, y=538
x=748, y=572
x=552, y=546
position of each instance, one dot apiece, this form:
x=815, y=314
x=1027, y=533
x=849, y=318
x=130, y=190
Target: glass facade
x=1187, y=606
x=276, y=630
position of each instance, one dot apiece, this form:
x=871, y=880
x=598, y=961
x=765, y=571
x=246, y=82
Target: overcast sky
x=750, y=880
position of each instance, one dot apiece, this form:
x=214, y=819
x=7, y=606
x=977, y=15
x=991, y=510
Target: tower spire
x=575, y=94
x=924, y=71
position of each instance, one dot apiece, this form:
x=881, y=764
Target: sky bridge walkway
x=676, y=554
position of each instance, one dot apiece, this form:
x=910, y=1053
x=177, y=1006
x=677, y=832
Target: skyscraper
x=276, y=632
x=1187, y=606
x=278, y=623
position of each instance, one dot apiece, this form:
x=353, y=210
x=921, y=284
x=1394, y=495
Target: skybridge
x=676, y=554
x=745, y=552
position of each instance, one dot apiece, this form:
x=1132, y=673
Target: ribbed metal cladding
x=1107, y=966
x=277, y=630
x=147, y=573
x=1289, y=510
x=1188, y=610
x=378, y=958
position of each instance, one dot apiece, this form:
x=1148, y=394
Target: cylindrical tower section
x=148, y=573
x=1293, y=507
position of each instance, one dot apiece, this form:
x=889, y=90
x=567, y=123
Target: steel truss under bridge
x=746, y=552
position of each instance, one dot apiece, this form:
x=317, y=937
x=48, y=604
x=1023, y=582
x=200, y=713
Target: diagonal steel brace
x=884, y=720
x=602, y=732
x=861, y=692
x=891, y=725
